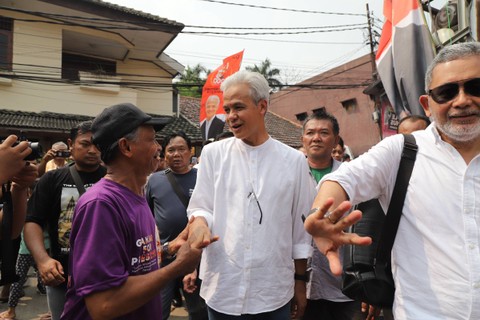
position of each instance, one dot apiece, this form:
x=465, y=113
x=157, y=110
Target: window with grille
x=350, y=105
x=73, y=63
x=301, y=116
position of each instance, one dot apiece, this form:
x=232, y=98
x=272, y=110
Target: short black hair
x=414, y=118
x=173, y=135
x=80, y=128
x=323, y=115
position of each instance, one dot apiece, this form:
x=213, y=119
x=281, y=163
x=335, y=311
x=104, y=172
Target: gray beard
x=457, y=132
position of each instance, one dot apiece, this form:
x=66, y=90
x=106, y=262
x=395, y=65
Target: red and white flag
x=211, y=107
x=404, y=53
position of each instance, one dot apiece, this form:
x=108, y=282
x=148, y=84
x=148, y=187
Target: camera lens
x=36, y=151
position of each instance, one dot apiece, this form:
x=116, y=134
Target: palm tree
x=271, y=74
x=191, y=81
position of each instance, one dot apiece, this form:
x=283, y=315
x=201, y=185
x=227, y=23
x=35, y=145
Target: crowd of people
x=115, y=223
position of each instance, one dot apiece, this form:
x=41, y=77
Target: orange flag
x=212, y=116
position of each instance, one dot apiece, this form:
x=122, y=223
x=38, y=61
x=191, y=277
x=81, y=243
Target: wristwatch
x=165, y=251
x=302, y=277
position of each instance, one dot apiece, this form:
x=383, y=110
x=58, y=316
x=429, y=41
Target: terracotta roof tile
x=60, y=122
x=49, y=121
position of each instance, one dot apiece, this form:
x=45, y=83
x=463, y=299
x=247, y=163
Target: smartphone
x=62, y=154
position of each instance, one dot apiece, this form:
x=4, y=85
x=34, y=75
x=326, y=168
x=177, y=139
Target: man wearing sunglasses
x=436, y=254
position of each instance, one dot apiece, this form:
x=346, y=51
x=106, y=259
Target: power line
x=156, y=85
x=327, y=76
x=270, y=33
x=336, y=61
x=210, y=34
x=284, y=9
x=96, y=27
x=114, y=24
x=274, y=40
x=276, y=28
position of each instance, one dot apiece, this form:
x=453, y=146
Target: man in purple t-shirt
x=114, y=245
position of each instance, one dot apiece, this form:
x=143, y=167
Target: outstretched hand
x=199, y=235
x=328, y=232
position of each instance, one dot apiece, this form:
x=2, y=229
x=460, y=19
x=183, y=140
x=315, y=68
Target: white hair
x=259, y=89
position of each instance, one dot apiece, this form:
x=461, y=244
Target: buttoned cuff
x=207, y=215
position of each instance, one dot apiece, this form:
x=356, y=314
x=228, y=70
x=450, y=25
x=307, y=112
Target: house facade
x=77, y=57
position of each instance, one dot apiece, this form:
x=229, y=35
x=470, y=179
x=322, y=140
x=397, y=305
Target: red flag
x=403, y=55
x=212, y=116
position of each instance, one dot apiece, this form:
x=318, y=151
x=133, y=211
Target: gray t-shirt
x=169, y=212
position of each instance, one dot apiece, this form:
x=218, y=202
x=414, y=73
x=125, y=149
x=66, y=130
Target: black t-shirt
x=52, y=203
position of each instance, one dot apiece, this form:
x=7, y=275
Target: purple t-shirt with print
x=113, y=237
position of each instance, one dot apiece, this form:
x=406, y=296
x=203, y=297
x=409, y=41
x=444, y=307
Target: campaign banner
x=212, y=116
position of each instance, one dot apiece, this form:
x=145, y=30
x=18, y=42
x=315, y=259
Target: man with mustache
x=167, y=193
x=435, y=257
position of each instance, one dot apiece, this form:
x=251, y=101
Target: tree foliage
x=271, y=74
x=191, y=81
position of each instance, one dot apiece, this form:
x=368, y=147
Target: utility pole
x=372, y=49
x=377, y=109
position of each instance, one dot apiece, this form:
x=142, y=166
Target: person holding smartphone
x=55, y=158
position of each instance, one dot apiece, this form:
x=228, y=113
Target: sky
x=298, y=56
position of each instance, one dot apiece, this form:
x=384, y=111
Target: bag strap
x=395, y=208
x=77, y=179
x=178, y=190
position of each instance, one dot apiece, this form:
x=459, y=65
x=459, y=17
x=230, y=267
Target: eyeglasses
x=449, y=91
x=252, y=193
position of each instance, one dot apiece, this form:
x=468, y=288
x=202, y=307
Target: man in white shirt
x=436, y=257
x=252, y=191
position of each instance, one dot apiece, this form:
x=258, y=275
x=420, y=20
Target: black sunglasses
x=448, y=91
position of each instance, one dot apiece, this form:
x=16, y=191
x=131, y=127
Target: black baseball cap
x=116, y=121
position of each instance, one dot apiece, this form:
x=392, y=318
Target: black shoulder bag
x=77, y=179
x=367, y=274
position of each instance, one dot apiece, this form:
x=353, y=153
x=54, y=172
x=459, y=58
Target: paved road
x=32, y=305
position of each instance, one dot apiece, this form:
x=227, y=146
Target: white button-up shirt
x=436, y=256
x=250, y=269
